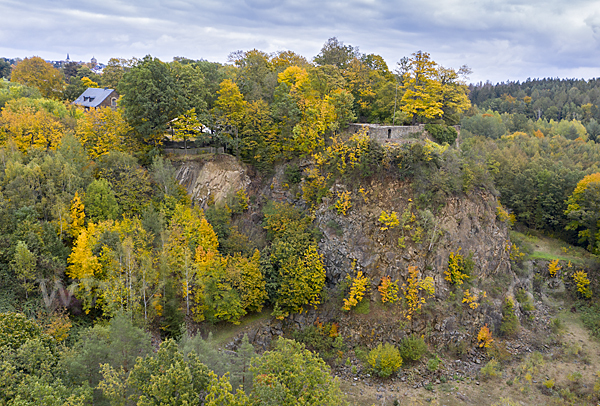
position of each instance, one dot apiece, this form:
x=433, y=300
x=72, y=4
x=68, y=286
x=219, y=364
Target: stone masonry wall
x=386, y=133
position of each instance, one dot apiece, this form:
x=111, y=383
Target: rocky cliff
x=466, y=224
x=210, y=177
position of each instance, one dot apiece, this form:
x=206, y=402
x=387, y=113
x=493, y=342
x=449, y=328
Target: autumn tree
x=421, y=89
x=192, y=248
x=38, y=73
x=454, y=93
x=112, y=264
x=583, y=209
x=321, y=106
x=284, y=59
x=255, y=75
x=24, y=265
x=100, y=202
x=230, y=110
x=295, y=276
x=77, y=215
x=186, y=126
x=103, y=130
x=130, y=182
x=29, y=124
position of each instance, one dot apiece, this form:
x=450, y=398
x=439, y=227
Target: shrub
x=16, y=329
x=491, y=369
x=434, y=363
x=583, y=284
x=388, y=290
x=553, y=268
x=389, y=221
x=485, y=337
x=292, y=174
x=240, y=202
x=590, y=316
x=385, y=360
x=510, y=323
x=459, y=268
x=322, y=338
x=441, y=133
x=471, y=299
x=343, y=203
x=524, y=300
x=412, y=348
x=416, y=290
x=557, y=326
x=357, y=290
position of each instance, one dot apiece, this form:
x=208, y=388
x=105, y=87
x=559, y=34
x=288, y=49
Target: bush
x=590, y=316
x=292, y=174
x=441, y=133
x=385, y=360
x=16, y=329
x=491, y=369
x=434, y=363
x=322, y=338
x=413, y=348
x=510, y=323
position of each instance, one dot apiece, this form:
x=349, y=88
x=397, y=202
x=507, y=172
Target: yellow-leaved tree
x=422, y=92
x=77, y=215
x=583, y=209
x=188, y=232
x=248, y=280
x=104, y=130
x=38, y=73
x=454, y=93
x=322, y=104
x=302, y=281
x=113, y=266
x=29, y=125
x=358, y=288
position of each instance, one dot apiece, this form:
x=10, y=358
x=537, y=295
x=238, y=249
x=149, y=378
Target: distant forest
x=550, y=99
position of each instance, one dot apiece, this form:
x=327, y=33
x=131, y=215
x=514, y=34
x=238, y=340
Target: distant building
x=94, y=98
x=94, y=62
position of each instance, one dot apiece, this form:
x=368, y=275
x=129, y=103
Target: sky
x=499, y=40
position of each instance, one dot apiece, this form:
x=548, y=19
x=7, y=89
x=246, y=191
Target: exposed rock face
x=467, y=222
x=216, y=175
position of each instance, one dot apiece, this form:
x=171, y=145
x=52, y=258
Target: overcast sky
x=499, y=40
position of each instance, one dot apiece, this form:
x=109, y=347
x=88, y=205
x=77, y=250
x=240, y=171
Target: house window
x=113, y=102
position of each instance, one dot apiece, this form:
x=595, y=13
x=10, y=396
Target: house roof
x=92, y=97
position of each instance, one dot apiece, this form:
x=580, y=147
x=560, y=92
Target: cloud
x=499, y=39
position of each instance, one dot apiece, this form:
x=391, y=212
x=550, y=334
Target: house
x=94, y=98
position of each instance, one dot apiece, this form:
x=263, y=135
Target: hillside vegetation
x=305, y=264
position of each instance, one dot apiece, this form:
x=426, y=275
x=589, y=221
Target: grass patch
x=539, y=246
x=224, y=332
x=363, y=307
